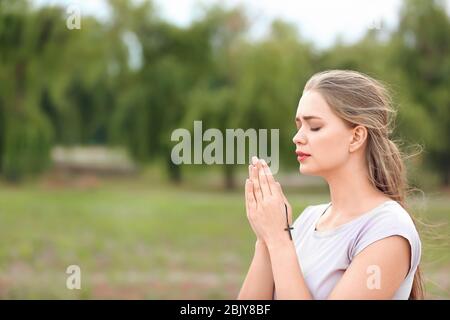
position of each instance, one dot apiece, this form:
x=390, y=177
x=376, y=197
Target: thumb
x=280, y=191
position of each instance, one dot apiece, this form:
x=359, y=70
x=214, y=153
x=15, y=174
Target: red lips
x=301, y=154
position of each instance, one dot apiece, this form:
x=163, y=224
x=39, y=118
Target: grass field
x=144, y=240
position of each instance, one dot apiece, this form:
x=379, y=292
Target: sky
x=319, y=21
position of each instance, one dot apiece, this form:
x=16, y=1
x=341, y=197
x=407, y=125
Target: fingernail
x=263, y=162
x=254, y=160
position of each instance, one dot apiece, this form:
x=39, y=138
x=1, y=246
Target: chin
x=307, y=171
x=304, y=170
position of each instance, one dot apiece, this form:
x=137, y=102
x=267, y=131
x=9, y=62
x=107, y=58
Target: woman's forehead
x=312, y=104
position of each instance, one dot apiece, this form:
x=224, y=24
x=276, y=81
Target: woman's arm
x=269, y=221
x=287, y=274
x=376, y=272
x=258, y=284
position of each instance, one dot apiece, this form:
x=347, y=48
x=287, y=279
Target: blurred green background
x=85, y=122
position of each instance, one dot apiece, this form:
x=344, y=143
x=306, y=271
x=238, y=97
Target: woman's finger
x=246, y=195
x=280, y=191
x=256, y=185
x=249, y=196
x=263, y=180
x=251, y=175
x=269, y=175
x=251, y=202
x=285, y=200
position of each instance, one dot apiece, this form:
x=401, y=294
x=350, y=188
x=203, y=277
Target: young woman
x=361, y=245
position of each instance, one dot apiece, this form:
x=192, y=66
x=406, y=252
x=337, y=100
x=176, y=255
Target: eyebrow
x=306, y=118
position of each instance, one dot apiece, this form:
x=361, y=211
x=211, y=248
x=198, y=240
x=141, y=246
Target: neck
x=351, y=191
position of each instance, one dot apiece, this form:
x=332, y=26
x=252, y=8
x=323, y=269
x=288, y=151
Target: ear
x=358, y=137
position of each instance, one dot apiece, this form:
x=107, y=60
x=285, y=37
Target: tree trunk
x=174, y=171
x=229, y=177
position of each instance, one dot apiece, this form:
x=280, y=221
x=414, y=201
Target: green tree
x=421, y=49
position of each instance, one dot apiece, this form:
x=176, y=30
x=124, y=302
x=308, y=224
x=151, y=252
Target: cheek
x=329, y=149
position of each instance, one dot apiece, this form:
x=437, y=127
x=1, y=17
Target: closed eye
x=315, y=129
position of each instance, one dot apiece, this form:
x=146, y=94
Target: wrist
x=278, y=243
x=261, y=249
x=260, y=244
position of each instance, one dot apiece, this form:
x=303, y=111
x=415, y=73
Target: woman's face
x=322, y=134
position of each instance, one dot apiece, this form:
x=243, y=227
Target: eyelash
x=312, y=129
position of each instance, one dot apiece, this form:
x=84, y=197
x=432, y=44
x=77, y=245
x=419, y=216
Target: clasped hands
x=265, y=204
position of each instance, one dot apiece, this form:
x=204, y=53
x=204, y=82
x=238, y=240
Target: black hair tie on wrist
x=288, y=229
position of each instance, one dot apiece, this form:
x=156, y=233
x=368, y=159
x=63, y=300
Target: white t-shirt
x=324, y=256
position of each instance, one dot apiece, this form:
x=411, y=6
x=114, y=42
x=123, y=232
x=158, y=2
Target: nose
x=299, y=138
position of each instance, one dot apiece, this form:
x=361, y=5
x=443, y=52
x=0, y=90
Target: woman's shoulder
x=390, y=219
x=389, y=216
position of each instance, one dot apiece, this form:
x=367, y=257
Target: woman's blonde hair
x=359, y=99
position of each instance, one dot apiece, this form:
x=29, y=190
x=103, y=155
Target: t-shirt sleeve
x=386, y=224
